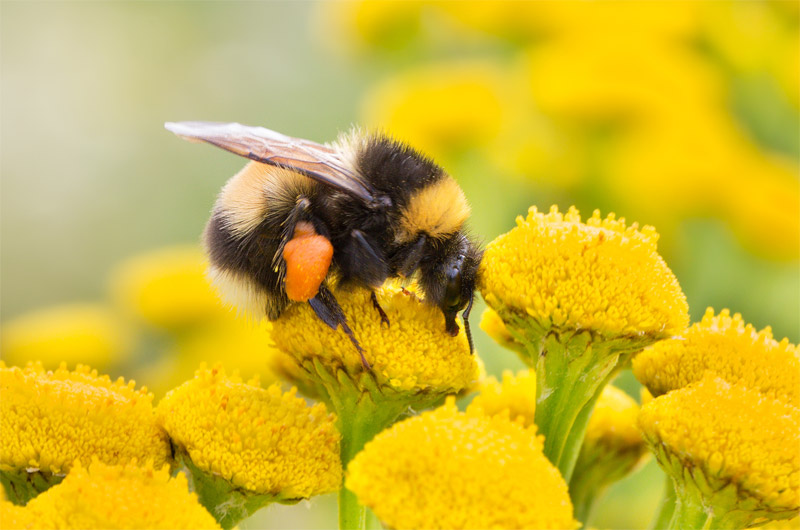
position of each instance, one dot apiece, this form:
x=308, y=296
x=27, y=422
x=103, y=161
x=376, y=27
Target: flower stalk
x=666, y=507
x=363, y=409
x=572, y=368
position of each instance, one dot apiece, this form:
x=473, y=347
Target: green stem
x=690, y=514
x=570, y=375
x=667, y=507
x=584, y=490
x=362, y=411
x=359, y=420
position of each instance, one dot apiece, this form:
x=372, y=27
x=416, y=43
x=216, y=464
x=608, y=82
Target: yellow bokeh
x=76, y=333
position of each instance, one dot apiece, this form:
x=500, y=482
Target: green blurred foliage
x=90, y=177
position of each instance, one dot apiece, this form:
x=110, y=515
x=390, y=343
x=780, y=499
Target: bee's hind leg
x=329, y=311
x=381, y=312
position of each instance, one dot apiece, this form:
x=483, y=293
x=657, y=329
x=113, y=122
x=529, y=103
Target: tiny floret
x=733, y=435
x=733, y=350
x=103, y=497
x=414, y=353
x=50, y=419
x=261, y=440
x=600, y=275
x=514, y=395
x=449, y=469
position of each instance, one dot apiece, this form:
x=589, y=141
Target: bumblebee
x=302, y=215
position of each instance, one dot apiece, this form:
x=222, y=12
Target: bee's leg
x=360, y=260
x=381, y=312
x=300, y=212
x=407, y=260
x=329, y=311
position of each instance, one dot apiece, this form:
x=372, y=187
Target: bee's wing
x=317, y=161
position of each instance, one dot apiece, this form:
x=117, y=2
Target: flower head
x=736, y=446
x=50, y=419
x=113, y=497
x=448, y=469
x=260, y=440
x=414, y=354
x=515, y=395
x=87, y=333
x=731, y=349
x=600, y=275
x=440, y=109
x=613, y=422
x=166, y=288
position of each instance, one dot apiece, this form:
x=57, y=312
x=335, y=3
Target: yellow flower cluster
x=515, y=395
x=727, y=406
x=579, y=76
x=101, y=497
x=600, y=275
x=167, y=290
x=413, y=354
x=613, y=422
x=50, y=419
x=467, y=98
x=86, y=333
x=727, y=346
x=733, y=434
x=448, y=469
x=261, y=440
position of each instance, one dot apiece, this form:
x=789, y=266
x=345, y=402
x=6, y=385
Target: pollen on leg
x=308, y=256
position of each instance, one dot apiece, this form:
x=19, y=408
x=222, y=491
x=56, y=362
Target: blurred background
x=685, y=116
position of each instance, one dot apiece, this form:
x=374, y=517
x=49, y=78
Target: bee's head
x=449, y=280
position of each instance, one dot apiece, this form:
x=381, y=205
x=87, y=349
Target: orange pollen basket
x=308, y=256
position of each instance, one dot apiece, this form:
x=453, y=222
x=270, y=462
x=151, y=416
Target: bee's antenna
x=465, y=318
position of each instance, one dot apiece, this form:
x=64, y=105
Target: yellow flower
x=730, y=449
x=731, y=349
x=448, y=469
x=367, y=25
x=166, y=288
x=613, y=422
x=235, y=343
x=581, y=299
x=414, y=354
x=618, y=78
x=640, y=21
x=440, y=109
x=87, y=333
x=612, y=448
x=261, y=440
x=50, y=419
x=515, y=395
x=414, y=363
x=494, y=326
x=600, y=275
x=13, y=517
x=113, y=497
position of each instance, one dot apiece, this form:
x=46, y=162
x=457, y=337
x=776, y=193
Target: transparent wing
x=317, y=161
